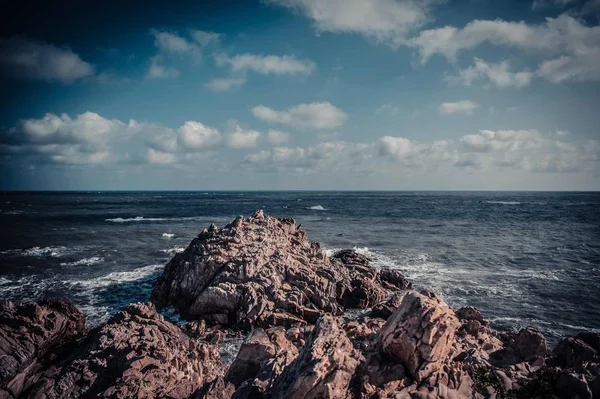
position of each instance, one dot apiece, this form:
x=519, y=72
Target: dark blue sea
x=522, y=258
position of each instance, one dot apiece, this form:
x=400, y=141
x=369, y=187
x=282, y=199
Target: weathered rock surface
x=135, y=354
x=420, y=334
x=324, y=367
x=31, y=336
x=264, y=272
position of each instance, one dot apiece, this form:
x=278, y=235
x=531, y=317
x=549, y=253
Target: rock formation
x=264, y=272
x=262, y=277
x=135, y=354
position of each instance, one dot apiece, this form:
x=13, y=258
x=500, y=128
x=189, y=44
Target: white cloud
x=159, y=71
x=205, y=38
x=388, y=109
x=159, y=157
x=224, y=84
x=242, y=138
x=172, y=43
x=577, y=68
x=386, y=21
x=497, y=74
x=508, y=140
x=538, y=4
x=38, y=61
x=463, y=107
x=277, y=137
x=267, y=64
x=304, y=116
x=194, y=135
x=399, y=147
x=562, y=34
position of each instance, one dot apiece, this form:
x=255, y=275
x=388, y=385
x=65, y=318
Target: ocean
x=523, y=258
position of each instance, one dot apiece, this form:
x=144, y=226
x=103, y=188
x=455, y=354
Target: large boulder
x=324, y=367
x=264, y=272
x=420, y=334
x=32, y=335
x=135, y=354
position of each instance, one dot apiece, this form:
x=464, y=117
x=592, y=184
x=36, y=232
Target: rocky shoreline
x=263, y=278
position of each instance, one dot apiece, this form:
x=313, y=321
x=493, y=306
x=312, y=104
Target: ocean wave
x=54, y=252
x=504, y=202
x=168, y=235
x=135, y=219
x=173, y=250
x=118, y=277
x=85, y=261
x=316, y=208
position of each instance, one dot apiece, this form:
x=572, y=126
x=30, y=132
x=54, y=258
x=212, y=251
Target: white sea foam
x=173, y=250
x=168, y=235
x=135, y=219
x=85, y=261
x=504, y=202
x=316, y=208
x=118, y=277
x=52, y=251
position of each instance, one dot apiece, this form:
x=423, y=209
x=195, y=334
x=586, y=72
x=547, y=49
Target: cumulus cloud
x=386, y=21
x=171, y=43
x=159, y=157
x=577, y=68
x=158, y=71
x=205, y=38
x=267, y=64
x=242, y=138
x=463, y=107
x=498, y=74
x=62, y=139
x=277, y=137
x=224, y=84
x=39, y=61
x=193, y=136
x=562, y=34
x=304, y=116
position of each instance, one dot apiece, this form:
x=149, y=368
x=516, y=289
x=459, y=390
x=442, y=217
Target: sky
x=300, y=95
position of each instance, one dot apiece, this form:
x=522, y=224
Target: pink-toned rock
x=257, y=350
x=324, y=367
x=420, y=334
x=31, y=335
x=263, y=272
x=135, y=354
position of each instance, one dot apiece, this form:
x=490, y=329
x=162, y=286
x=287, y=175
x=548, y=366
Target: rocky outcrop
x=135, y=354
x=262, y=277
x=264, y=272
x=324, y=367
x=420, y=333
x=31, y=336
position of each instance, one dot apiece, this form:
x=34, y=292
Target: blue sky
x=301, y=94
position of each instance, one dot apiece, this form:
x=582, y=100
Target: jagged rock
x=135, y=354
x=257, y=350
x=468, y=313
x=32, y=335
x=571, y=352
x=572, y=385
x=420, y=334
x=393, y=278
x=527, y=345
x=385, y=309
x=324, y=367
x=263, y=272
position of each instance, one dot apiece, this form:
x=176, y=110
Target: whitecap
x=504, y=202
x=135, y=219
x=316, y=208
x=85, y=261
x=168, y=235
x=54, y=252
x=173, y=250
x=117, y=277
